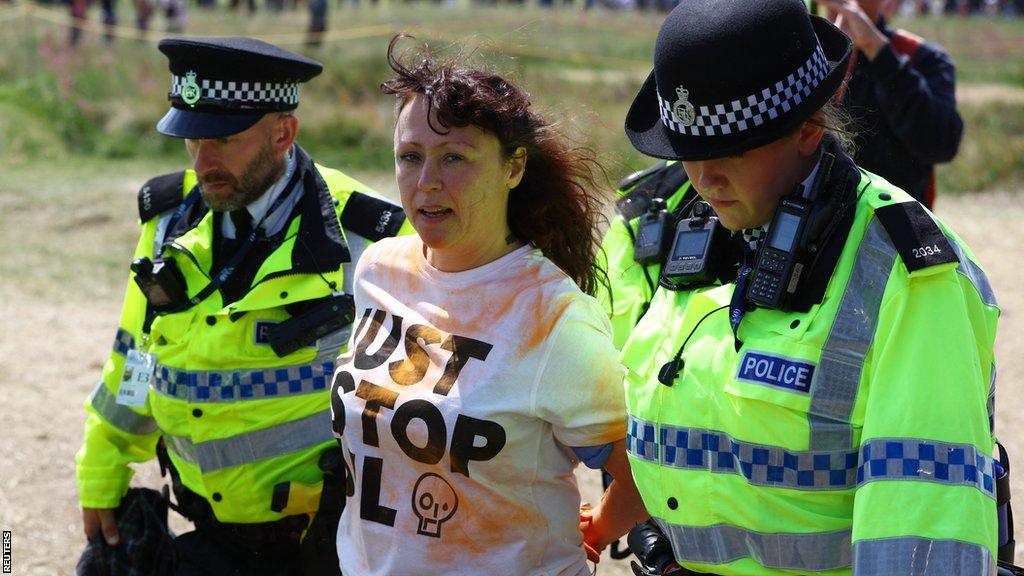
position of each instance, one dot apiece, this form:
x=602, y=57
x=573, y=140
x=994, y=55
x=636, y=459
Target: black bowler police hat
x=733, y=75
x=222, y=86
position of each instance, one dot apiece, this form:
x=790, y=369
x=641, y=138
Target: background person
x=479, y=358
x=901, y=92
x=845, y=425
x=247, y=241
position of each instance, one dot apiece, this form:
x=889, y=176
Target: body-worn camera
x=325, y=317
x=161, y=283
x=697, y=241
x=789, y=251
x=653, y=233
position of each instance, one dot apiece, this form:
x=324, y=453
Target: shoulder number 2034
x=926, y=251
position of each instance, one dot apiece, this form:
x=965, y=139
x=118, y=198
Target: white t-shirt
x=456, y=405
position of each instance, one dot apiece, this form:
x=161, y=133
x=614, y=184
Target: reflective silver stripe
x=229, y=386
x=837, y=379
x=760, y=464
x=123, y=341
x=122, y=417
x=723, y=543
x=975, y=275
x=926, y=461
x=254, y=446
x=921, y=557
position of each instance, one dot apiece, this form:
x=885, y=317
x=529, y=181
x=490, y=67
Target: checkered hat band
x=238, y=94
x=755, y=109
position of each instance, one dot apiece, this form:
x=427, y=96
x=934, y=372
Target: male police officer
x=230, y=328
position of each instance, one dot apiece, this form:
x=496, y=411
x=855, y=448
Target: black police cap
x=733, y=75
x=222, y=86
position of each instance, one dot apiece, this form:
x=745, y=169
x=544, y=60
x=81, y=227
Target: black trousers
x=215, y=550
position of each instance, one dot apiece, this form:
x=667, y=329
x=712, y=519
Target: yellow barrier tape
x=62, y=18
x=330, y=35
x=551, y=54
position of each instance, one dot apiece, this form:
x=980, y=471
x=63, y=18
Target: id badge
x=139, y=368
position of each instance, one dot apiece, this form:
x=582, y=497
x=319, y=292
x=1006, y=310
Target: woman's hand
x=619, y=510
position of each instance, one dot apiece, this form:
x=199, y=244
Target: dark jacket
x=904, y=108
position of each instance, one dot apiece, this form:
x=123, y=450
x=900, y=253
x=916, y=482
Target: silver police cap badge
x=190, y=91
x=682, y=110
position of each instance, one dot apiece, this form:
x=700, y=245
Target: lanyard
x=240, y=254
x=738, y=304
x=189, y=201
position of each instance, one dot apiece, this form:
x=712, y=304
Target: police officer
x=829, y=410
x=641, y=197
x=233, y=320
x=632, y=280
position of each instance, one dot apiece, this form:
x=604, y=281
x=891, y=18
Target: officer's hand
x=851, y=19
x=94, y=519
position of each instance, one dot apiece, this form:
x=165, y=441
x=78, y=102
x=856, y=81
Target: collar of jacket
x=842, y=183
x=318, y=246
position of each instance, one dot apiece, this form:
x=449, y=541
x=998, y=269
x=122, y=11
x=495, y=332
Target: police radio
x=791, y=247
x=692, y=257
x=321, y=318
x=653, y=233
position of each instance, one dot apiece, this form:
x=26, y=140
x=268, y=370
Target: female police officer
x=828, y=410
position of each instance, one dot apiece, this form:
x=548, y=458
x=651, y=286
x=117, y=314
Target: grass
x=71, y=226
x=986, y=50
x=101, y=101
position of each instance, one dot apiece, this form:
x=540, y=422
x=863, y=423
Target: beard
x=256, y=178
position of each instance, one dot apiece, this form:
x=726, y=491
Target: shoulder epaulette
x=632, y=179
x=371, y=217
x=160, y=194
x=664, y=181
x=916, y=237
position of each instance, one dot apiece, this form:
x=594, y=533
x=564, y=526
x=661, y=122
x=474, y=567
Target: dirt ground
x=51, y=352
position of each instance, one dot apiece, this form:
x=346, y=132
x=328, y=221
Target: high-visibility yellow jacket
x=236, y=418
x=853, y=437
x=633, y=284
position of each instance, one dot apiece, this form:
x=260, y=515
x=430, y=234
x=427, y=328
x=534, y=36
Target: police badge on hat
x=732, y=75
x=222, y=86
x=190, y=90
x=682, y=110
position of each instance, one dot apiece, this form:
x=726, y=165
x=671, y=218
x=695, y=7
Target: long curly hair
x=557, y=206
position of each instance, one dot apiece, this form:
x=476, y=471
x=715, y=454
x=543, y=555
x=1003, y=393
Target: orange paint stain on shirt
x=489, y=523
x=546, y=322
x=393, y=262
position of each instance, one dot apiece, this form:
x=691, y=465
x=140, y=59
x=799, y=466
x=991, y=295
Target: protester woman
x=481, y=370
x=827, y=410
